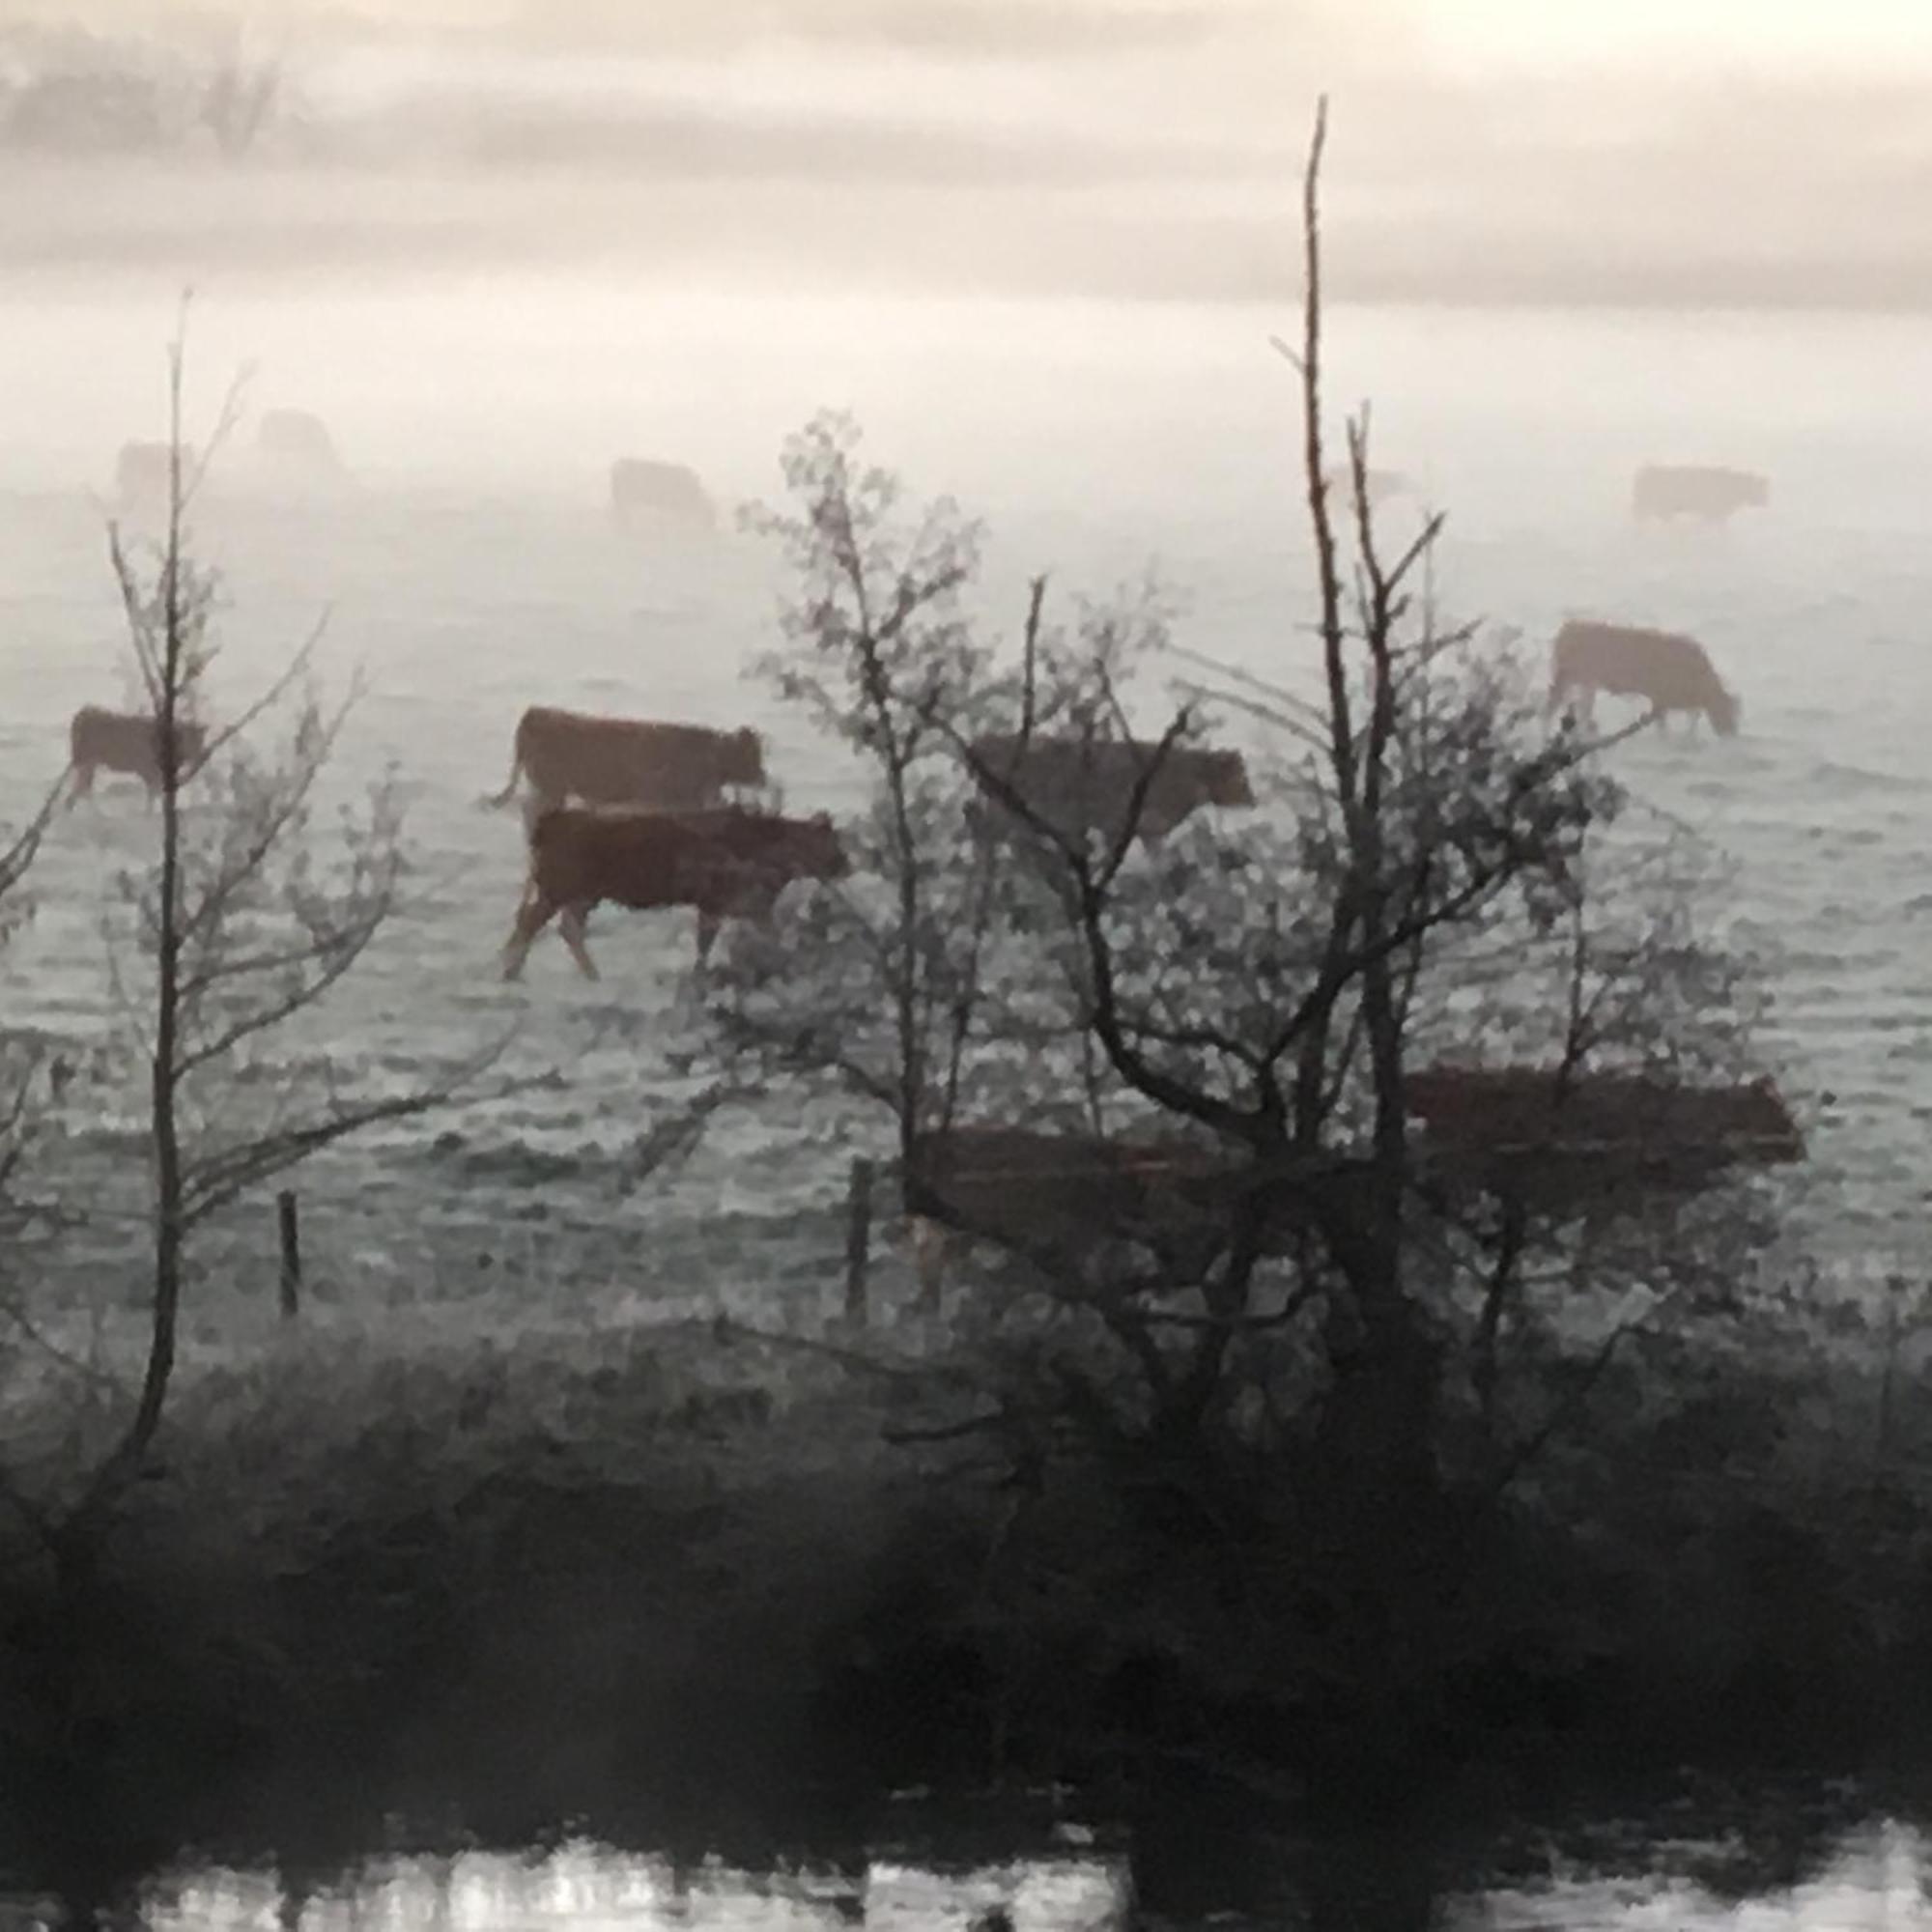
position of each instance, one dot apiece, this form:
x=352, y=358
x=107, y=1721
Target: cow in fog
x=628, y=761
x=647, y=490
x=297, y=445
x=144, y=474
x=1663, y=491
x=1670, y=673
x=1382, y=484
x=1075, y=784
x=128, y=743
x=724, y=865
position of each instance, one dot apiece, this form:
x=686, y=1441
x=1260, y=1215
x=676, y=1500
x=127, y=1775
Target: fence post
x=857, y=1240
x=291, y=1261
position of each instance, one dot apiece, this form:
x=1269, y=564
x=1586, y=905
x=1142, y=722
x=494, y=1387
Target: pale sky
x=1786, y=33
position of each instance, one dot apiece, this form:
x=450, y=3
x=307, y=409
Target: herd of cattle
x=294, y=448
x=651, y=814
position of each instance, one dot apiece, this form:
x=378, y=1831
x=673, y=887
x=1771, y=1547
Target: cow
x=129, y=743
x=646, y=490
x=1670, y=670
x=1053, y=1195
x=1075, y=784
x=297, y=444
x=724, y=863
x=629, y=761
x=1592, y=1142
x=1382, y=484
x=144, y=473
x=1663, y=491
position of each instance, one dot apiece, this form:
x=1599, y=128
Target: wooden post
x=858, y=1241
x=291, y=1261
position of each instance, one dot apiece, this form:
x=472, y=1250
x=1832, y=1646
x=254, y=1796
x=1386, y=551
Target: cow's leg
x=931, y=1247
x=707, y=935
x=571, y=922
x=83, y=785
x=533, y=916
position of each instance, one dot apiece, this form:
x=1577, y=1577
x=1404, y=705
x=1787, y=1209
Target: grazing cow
x=143, y=474
x=129, y=742
x=629, y=761
x=641, y=489
x=1671, y=672
x=1592, y=1142
x=1382, y=484
x=1074, y=783
x=724, y=865
x=1666, y=490
x=1053, y=1195
x=298, y=443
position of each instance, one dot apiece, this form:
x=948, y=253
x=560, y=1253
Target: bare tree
x=245, y=923
x=1262, y=1267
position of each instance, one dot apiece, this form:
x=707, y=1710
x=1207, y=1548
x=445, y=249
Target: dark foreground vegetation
x=681, y=1585
x=1386, y=1396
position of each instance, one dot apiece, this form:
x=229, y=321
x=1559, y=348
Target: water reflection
x=593, y=1889
x=1874, y=1876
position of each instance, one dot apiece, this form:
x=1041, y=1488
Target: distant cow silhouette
x=1666, y=490
x=128, y=743
x=1382, y=484
x=143, y=471
x=1075, y=783
x=647, y=490
x=724, y=865
x=1669, y=672
x=631, y=761
x=297, y=444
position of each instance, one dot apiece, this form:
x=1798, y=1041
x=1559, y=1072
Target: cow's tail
x=502, y=798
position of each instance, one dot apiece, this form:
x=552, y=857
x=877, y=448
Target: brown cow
x=1076, y=783
x=129, y=742
x=629, y=761
x=726, y=865
x=644, y=489
x=1671, y=671
x=1666, y=490
x=1046, y=1193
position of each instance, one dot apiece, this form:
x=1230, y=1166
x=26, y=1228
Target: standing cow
x=629, y=761
x=1663, y=491
x=1076, y=784
x=1669, y=672
x=128, y=743
x=645, y=491
x=724, y=865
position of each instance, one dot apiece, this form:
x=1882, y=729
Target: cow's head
x=817, y=848
x=1225, y=776
x=1725, y=711
x=1756, y=492
x=745, y=757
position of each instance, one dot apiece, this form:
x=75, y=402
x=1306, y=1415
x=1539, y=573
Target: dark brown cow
x=129, y=743
x=1666, y=490
x=1046, y=1193
x=1592, y=1142
x=1075, y=783
x=629, y=761
x=724, y=865
x=1671, y=672
x=643, y=490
